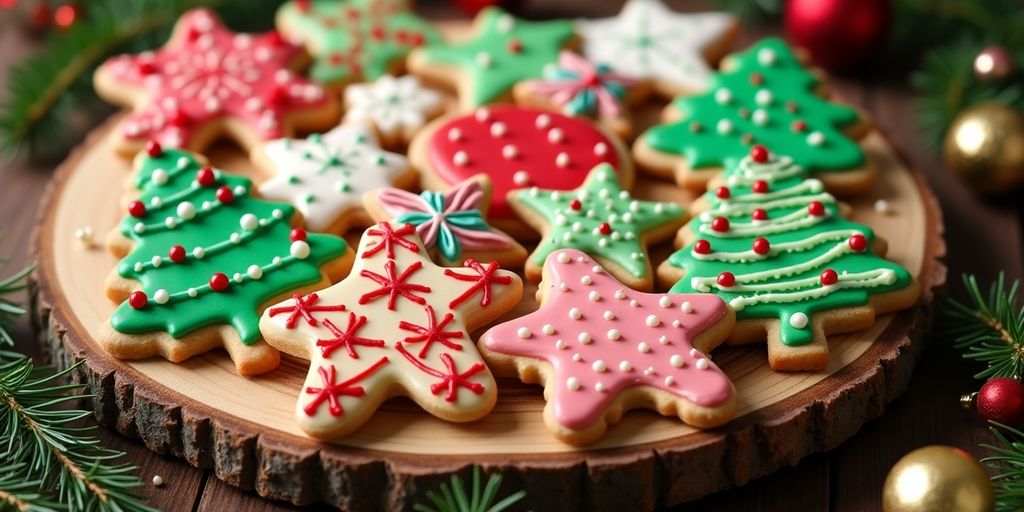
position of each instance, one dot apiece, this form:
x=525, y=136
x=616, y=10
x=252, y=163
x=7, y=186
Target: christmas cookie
x=396, y=107
x=325, y=176
x=201, y=257
x=516, y=147
x=649, y=41
x=600, y=219
x=502, y=51
x=578, y=87
x=774, y=245
x=762, y=96
x=398, y=325
x=452, y=225
x=354, y=40
x=600, y=349
x=208, y=82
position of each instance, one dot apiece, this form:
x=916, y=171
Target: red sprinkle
x=702, y=247
x=723, y=193
x=219, y=282
x=799, y=126
x=760, y=186
x=137, y=209
x=154, y=149
x=275, y=38
x=726, y=280
x=302, y=5
x=759, y=214
x=576, y=205
x=829, y=276
x=138, y=299
x=225, y=195
x=759, y=154
x=816, y=208
x=605, y=228
x=377, y=33
x=297, y=235
x=146, y=67
x=417, y=39
x=176, y=253
x=205, y=177
x=179, y=118
x=278, y=95
x=720, y=224
x=858, y=243
x=761, y=245
x=515, y=46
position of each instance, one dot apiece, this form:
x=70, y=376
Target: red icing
x=304, y=307
x=536, y=153
x=389, y=238
x=432, y=333
x=393, y=285
x=484, y=279
x=452, y=380
x=346, y=338
x=138, y=299
x=331, y=391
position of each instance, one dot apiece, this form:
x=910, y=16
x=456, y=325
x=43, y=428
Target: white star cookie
x=647, y=40
x=396, y=107
x=325, y=176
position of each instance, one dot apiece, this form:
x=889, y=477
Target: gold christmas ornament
x=937, y=479
x=984, y=147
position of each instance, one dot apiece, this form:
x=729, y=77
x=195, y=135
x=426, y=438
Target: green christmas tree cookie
x=765, y=96
x=774, y=246
x=202, y=256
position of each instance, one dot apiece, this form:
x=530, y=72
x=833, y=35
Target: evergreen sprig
x=1007, y=464
x=455, y=498
x=989, y=328
x=9, y=308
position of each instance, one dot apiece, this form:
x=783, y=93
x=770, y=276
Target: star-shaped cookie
x=208, y=82
x=398, y=325
x=325, y=176
x=396, y=107
x=601, y=219
x=647, y=40
x=502, y=51
x=600, y=348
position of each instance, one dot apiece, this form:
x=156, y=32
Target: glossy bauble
x=1001, y=400
x=993, y=64
x=984, y=147
x=838, y=34
x=937, y=479
x=472, y=7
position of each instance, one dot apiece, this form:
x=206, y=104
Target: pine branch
x=20, y=493
x=8, y=307
x=1007, y=462
x=455, y=498
x=753, y=11
x=990, y=327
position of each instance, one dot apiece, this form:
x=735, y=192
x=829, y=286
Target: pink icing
x=463, y=197
x=561, y=92
x=207, y=72
x=478, y=146
x=581, y=407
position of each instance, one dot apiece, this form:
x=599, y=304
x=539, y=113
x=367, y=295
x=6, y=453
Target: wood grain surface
x=984, y=239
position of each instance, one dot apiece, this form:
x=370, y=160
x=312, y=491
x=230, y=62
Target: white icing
x=393, y=105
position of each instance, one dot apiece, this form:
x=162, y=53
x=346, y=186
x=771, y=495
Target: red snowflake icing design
x=482, y=281
x=389, y=238
x=394, y=285
x=331, y=391
x=452, y=380
x=346, y=338
x=304, y=308
x=432, y=333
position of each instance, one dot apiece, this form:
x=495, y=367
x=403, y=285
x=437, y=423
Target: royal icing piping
x=393, y=105
x=399, y=321
x=451, y=222
x=205, y=252
x=518, y=148
x=774, y=245
x=647, y=40
x=602, y=338
x=766, y=97
x=503, y=51
x=206, y=73
x=355, y=40
x=579, y=86
x=600, y=219
x=325, y=176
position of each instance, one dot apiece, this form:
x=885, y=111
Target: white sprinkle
x=156, y=202
x=694, y=352
x=759, y=117
x=634, y=303
x=620, y=294
x=499, y=129
x=724, y=126
x=596, y=269
x=626, y=366
x=798, y=320
x=543, y=121
x=192, y=292
x=238, y=278
x=460, y=158
x=454, y=134
x=594, y=296
x=170, y=222
x=677, y=361
x=599, y=387
x=254, y=271
x=299, y=249
x=653, y=321
x=575, y=314
x=572, y=383
x=702, y=364
x=562, y=258
x=523, y=333
x=562, y=160
x=723, y=96
x=482, y=114
x=85, y=236
x=663, y=340
x=509, y=151
x=556, y=135
x=643, y=347
x=614, y=334
x=138, y=266
x=199, y=253
x=584, y=337
x=186, y=210
x=587, y=280
x=161, y=296
x=483, y=59
x=766, y=56
x=600, y=149
x=763, y=97
x=277, y=213
x=649, y=371
x=158, y=480
x=548, y=329
x=882, y=207
x=608, y=315
x=560, y=345
x=669, y=381
x=665, y=302
x=159, y=177
x=816, y=138
x=686, y=307
x=506, y=23
x=156, y=261
x=235, y=238
x=249, y=222
x=577, y=357
x=676, y=323
x=599, y=366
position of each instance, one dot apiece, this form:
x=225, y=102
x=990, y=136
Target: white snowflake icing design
x=392, y=104
x=325, y=175
x=649, y=40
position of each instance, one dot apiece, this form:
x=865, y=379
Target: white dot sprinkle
x=254, y=271
x=608, y=315
x=548, y=329
x=454, y=134
x=798, y=320
x=560, y=345
x=577, y=357
x=584, y=338
x=614, y=334
x=523, y=332
x=543, y=121
x=587, y=280
x=620, y=294
x=575, y=314
x=599, y=387
x=556, y=135
x=510, y=151
x=702, y=364
x=599, y=366
x=158, y=480
x=192, y=292
x=498, y=129
x=562, y=160
x=249, y=222
x=600, y=149
x=677, y=361
x=665, y=302
x=663, y=340
x=186, y=210
x=626, y=366
x=562, y=258
x=686, y=307
x=653, y=321
x=669, y=381
x=594, y=296
x=643, y=347
x=816, y=138
x=299, y=249
x=572, y=383
x=161, y=296
x=460, y=158
x=882, y=207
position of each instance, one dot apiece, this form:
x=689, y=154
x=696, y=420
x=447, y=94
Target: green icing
x=211, y=228
x=802, y=246
x=356, y=39
x=504, y=51
x=601, y=200
x=447, y=242
x=786, y=96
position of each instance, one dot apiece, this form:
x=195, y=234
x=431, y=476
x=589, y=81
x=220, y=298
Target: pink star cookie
x=600, y=349
x=208, y=82
x=398, y=325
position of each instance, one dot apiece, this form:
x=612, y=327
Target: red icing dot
x=515, y=46
x=136, y=209
x=761, y=245
x=756, y=78
x=829, y=276
x=225, y=195
x=377, y=32
x=799, y=126
x=179, y=118
x=759, y=214
x=297, y=235
x=416, y=39
x=816, y=208
x=302, y=5
x=336, y=59
x=206, y=177
x=858, y=243
x=275, y=38
x=278, y=95
x=192, y=34
x=138, y=299
x=723, y=193
x=760, y=186
x=576, y=205
x=605, y=228
x=726, y=280
x=759, y=154
x=153, y=149
x=146, y=67
x=702, y=247
x=219, y=282
x=720, y=224
x=176, y=254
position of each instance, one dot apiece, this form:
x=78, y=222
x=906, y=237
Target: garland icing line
x=814, y=290
x=782, y=247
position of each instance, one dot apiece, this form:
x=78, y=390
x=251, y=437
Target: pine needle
x=989, y=328
x=455, y=497
x=1007, y=462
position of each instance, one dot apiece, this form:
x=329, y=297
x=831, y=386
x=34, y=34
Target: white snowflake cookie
x=396, y=107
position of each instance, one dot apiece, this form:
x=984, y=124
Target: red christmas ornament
x=66, y=15
x=137, y=299
x=761, y=245
x=702, y=247
x=838, y=34
x=726, y=279
x=297, y=235
x=219, y=282
x=1002, y=399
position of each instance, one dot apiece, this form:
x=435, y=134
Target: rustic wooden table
x=984, y=238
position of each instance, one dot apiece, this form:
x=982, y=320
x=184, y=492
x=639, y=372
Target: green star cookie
x=600, y=219
x=502, y=51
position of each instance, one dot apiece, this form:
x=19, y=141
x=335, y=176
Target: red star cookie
x=600, y=348
x=208, y=82
x=398, y=325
